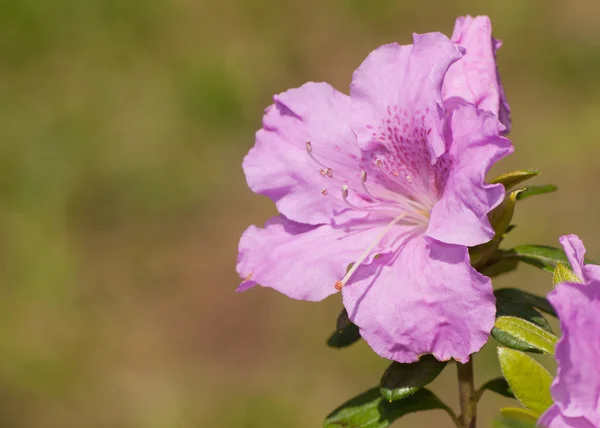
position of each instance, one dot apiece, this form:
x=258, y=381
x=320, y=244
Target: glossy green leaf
x=401, y=380
x=563, y=274
x=513, y=417
x=346, y=332
x=516, y=303
x=498, y=385
x=536, y=190
x=528, y=380
x=371, y=410
x=511, y=179
x=541, y=256
x=535, y=337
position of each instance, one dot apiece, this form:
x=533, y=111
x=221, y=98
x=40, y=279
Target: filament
x=340, y=284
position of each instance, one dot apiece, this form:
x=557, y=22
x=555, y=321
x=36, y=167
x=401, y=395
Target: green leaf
x=528, y=380
x=536, y=190
x=511, y=179
x=563, y=274
x=401, y=380
x=513, y=417
x=533, y=336
x=511, y=302
x=498, y=385
x=499, y=267
x=346, y=332
x=541, y=256
x=371, y=410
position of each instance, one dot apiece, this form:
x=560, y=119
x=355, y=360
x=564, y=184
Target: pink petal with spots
x=397, y=102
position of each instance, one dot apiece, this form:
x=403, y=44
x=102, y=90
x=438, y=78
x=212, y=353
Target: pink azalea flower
x=576, y=388
x=392, y=181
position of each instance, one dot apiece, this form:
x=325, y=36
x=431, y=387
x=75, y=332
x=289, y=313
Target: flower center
x=380, y=202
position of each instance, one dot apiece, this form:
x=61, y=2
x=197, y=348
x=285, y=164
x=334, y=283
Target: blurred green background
x=123, y=124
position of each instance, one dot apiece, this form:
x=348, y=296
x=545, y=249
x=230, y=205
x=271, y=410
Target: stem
x=466, y=391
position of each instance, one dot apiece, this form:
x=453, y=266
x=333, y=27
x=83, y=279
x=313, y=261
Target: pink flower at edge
x=387, y=179
x=576, y=388
x=476, y=78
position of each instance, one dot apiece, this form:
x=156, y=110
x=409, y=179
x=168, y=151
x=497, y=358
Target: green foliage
x=541, y=256
x=528, y=380
x=513, y=417
x=518, y=305
x=498, y=385
x=401, y=380
x=346, y=332
x=499, y=267
x=511, y=179
x=563, y=274
x=535, y=338
x=371, y=410
x=536, y=190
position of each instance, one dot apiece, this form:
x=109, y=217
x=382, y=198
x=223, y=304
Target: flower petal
x=278, y=166
x=303, y=261
x=576, y=387
x=460, y=216
x=475, y=77
x=396, y=92
x=552, y=418
x=425, y=298
x=575, y=251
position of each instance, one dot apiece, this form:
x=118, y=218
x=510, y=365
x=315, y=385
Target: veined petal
x=576, y=388
x=475, y=77
x=460, y=216
x=396, y=92
x=425, y=298
x=279, y=166
x=303, y=261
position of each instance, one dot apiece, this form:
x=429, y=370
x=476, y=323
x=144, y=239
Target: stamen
x=309, y=150
x=340, y=284
x=363, y=182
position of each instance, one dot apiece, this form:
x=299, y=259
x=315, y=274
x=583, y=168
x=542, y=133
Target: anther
x=378, y=163
x=408, y=178
x=308, y=147
x=324, y=191
x=395, y=173
x=326, y=172
x=344, y=191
